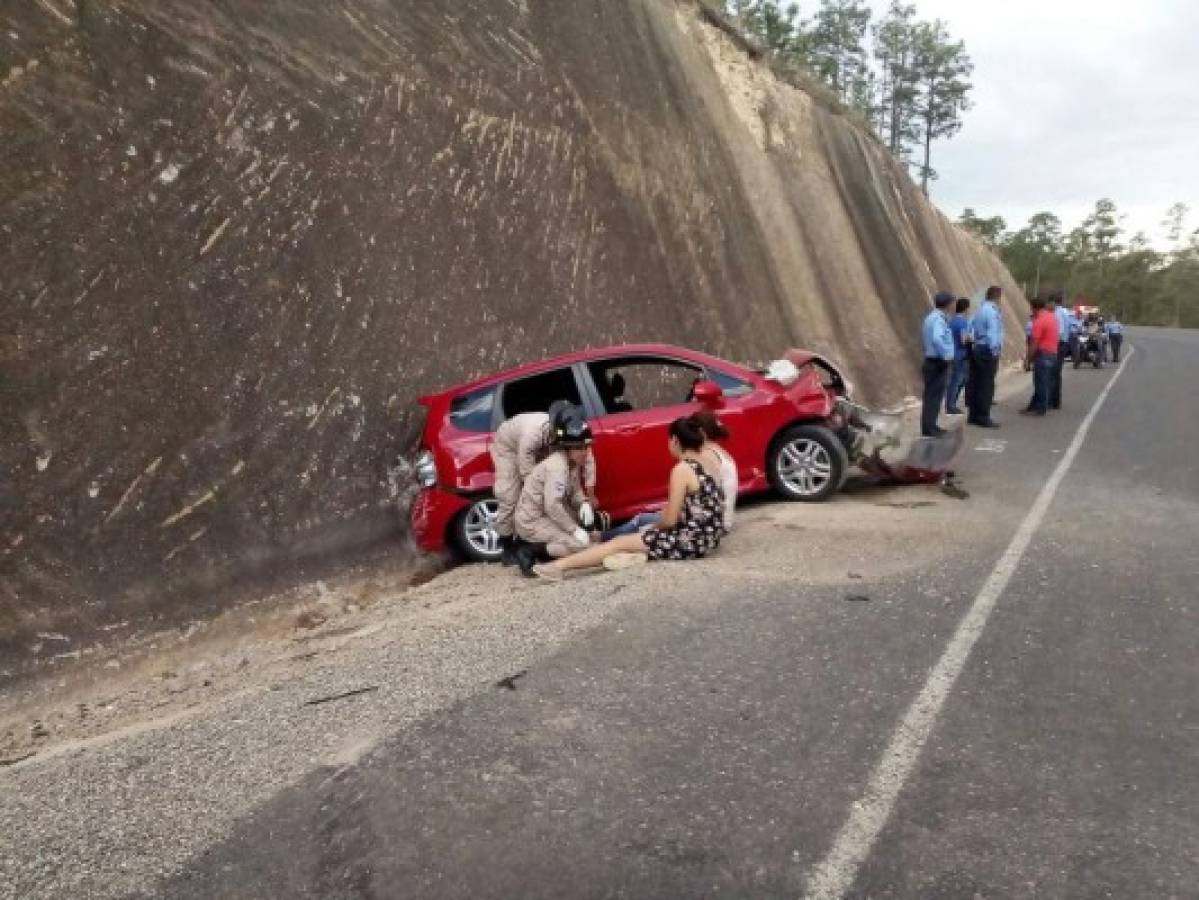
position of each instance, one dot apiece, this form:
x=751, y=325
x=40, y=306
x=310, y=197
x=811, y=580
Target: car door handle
x=629, y=429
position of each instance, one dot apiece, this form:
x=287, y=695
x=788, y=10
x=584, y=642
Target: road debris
x=950, y=488
x=316, y=701
x=510, y=681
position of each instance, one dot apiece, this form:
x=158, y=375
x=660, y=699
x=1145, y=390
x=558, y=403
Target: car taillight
x=426, y=469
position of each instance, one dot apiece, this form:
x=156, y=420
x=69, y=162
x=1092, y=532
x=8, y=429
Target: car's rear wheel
x=474, y=531
x=807, y=463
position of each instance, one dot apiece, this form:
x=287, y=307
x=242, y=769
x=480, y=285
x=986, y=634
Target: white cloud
x=1073, y=101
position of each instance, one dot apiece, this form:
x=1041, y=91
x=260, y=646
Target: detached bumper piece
x=882, y=448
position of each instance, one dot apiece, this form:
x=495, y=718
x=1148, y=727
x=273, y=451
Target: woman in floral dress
x=692, y=522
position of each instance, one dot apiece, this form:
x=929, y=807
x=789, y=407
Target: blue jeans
x=1055, y=380
x=634, y=525
x=957, y=381
x=1042, y=376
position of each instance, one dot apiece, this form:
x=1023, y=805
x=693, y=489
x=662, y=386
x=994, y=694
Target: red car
x=788, y=431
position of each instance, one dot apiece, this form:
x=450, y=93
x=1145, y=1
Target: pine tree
x=894, y=50
x=941, y=69
x=835, y=46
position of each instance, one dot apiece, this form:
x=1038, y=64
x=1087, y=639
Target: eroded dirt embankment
x=239, y=239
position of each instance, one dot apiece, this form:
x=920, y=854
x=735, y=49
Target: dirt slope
x=240, y=237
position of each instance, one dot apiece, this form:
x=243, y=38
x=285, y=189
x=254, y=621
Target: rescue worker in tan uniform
x=519, y=444
x=550, y=516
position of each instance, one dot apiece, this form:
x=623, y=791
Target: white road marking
x=836, y=873
x=991, y=446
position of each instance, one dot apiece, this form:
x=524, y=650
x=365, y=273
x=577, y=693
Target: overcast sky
x=1073, y=100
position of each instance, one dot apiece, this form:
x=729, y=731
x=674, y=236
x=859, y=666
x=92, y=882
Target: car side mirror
x=708, y=393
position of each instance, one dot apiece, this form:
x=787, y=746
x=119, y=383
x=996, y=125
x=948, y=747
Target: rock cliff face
x=239, y=237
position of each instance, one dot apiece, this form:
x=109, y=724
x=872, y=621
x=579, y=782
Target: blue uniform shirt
x=937, y=338
x=988, y=327
x=959, y=325
x=1075, y=325
x=1114, y=327
x=1063, y=324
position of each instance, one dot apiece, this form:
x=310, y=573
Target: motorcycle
x=1090, y=348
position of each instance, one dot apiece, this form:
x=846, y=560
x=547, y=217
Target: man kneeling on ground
x=553, y=497
x=520, y=443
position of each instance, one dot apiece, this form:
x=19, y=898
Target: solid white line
x=836, y=873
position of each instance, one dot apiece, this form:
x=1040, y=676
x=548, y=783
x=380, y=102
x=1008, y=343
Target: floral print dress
x=700, y=526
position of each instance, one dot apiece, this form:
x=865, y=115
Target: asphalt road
x=715, y=742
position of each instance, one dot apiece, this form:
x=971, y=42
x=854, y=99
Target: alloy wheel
x=805, y=466
x=479, y=528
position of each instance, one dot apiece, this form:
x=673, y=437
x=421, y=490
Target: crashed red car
x=789, y=431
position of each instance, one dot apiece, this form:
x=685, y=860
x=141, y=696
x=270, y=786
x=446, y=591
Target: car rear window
x=473, y=411
x=537, y=392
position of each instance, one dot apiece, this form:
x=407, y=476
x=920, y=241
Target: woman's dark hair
x=688, y=434
x=705, y=420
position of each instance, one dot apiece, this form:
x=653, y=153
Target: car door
x=631, y=437
x=738, y=412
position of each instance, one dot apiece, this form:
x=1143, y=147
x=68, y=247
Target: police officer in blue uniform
x=937, y=340
x=985, y=352
x=1115, y=337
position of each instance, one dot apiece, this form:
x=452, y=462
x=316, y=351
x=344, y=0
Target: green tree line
x=1127, y=278
x=908, y=78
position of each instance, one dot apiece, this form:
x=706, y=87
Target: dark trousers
x=980, y=388
x=1055, y=378
x=936, y=377
x=1117, y=340
x=958, y=375
x=1042, y=376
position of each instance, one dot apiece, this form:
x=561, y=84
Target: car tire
x=1077, y=360
x=475, y=537
x=807, y=463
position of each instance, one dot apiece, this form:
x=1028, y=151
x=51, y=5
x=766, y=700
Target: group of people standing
x=962, y=353
x=549, y=520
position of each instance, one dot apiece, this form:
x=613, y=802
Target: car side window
x=730, y=384
x=638, y=383
x=536, y=392
x=473, y=411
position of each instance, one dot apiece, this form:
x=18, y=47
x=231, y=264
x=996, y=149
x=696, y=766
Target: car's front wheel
x=474, y=531
x=807, y=462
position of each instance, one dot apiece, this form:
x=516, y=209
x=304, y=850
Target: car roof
x=589, y=355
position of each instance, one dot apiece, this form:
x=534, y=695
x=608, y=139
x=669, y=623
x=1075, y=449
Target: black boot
x=508, y=547
x=528, y=555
